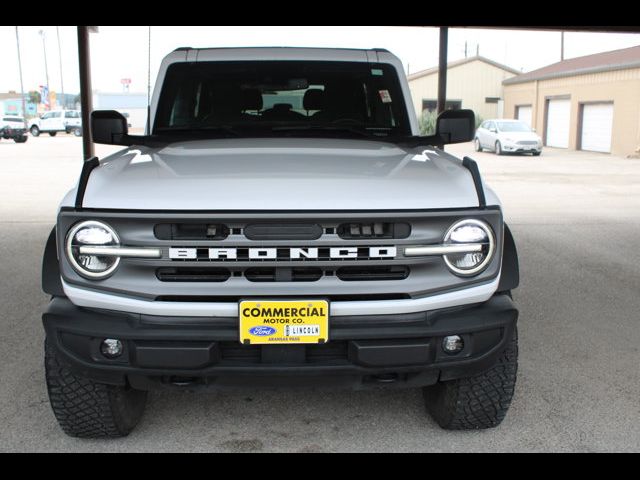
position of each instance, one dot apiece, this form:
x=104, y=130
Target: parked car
x=507, y=136
x=246, y=242
x=12, y=127
x=54, y=121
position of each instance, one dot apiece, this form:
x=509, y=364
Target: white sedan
x=507, y=136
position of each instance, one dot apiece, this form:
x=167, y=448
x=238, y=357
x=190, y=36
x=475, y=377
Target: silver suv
x=281, y=223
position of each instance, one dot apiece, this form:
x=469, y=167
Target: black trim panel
x=51, y=282
x=510, y=276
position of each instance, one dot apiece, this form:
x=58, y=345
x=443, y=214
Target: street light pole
x=46, y=69
x=64, y=100
x=24, y=107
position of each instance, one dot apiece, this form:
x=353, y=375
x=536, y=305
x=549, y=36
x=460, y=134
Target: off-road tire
x=35, y=131
x=88, y=409
x=77, y=132
x=476, y=402
x=52, y=134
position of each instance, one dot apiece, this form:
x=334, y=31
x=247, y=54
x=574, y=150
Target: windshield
x=276, y=96
x=513, y=127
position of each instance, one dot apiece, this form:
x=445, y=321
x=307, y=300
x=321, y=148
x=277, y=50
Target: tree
x=34, y=97
x=427, y=122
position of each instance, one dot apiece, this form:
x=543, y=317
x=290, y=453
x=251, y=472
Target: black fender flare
x=510, y=272
x=51, y=282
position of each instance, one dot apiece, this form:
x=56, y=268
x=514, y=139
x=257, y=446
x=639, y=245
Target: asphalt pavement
x=576, y=221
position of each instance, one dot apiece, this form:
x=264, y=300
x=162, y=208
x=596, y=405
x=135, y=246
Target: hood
x=518, y=136
x=280, y=174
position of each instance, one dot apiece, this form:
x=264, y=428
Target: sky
x=122, y=52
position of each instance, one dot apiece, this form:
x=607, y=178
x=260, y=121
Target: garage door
x=558, y=116
x=597, y=123
x=524, y=114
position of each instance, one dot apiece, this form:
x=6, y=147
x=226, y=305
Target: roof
x=457, y=63
x=9, y=96
x=599, y=62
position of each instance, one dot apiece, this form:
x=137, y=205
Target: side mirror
x=456, y=126
x=108, y=127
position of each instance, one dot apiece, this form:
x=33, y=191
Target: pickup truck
x=54, y=121
x=281, y=223
x=12, y=127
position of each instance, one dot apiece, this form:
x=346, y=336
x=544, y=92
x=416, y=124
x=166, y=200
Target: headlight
x=470, y=231
x=92, y=233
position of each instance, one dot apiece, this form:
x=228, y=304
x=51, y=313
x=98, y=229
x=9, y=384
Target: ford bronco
x=280, y=223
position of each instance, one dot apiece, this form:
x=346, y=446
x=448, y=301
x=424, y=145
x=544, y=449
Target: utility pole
x=64, y=100
x=562, y=46
x=24, y=107
x=442, y=69
x=85, y=88
x=46, y=69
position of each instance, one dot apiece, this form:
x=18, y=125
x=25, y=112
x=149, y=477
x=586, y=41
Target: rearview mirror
x=456, y=126
x=108, y=127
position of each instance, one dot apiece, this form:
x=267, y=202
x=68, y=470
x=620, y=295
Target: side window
x=46, y=116
x=484, y=125
x=56, y=114
x=491, y=125
x=70, y=114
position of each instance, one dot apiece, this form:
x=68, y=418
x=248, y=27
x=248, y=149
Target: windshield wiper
x=182, y=130
x=323, y=128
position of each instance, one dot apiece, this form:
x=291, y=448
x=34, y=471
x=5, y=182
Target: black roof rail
x=182, y=49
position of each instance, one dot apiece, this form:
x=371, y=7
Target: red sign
x=125, y=81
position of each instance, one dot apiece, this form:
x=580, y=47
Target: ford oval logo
x=262, y=331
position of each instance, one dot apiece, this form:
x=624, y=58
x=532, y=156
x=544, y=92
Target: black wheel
x=476, y=145
x=476, y=402
x=536, y=154
x=35, y=131
x=20, y=139
x=53, y=134
x=88, y=409
x=77, y=132
x=498, y=148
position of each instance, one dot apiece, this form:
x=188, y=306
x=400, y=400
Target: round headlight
x=466, y=232
x=92, y=233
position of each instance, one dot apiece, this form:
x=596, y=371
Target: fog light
x=452, y=344
x=111, y=348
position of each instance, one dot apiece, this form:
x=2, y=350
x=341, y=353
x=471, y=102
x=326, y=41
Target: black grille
x=325, y=353
x=277, y=274
x=353, y=274
x=286, y=231
x=188, y=274
x=373, y=230
x=191, y=231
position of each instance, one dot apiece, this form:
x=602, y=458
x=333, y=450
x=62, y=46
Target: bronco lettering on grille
x=279, y=253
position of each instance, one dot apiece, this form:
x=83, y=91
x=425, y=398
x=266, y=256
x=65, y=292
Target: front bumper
x=518, y=148
x=400, y=349
x=13, y=132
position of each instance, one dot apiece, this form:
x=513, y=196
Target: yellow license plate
x=284, y=321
